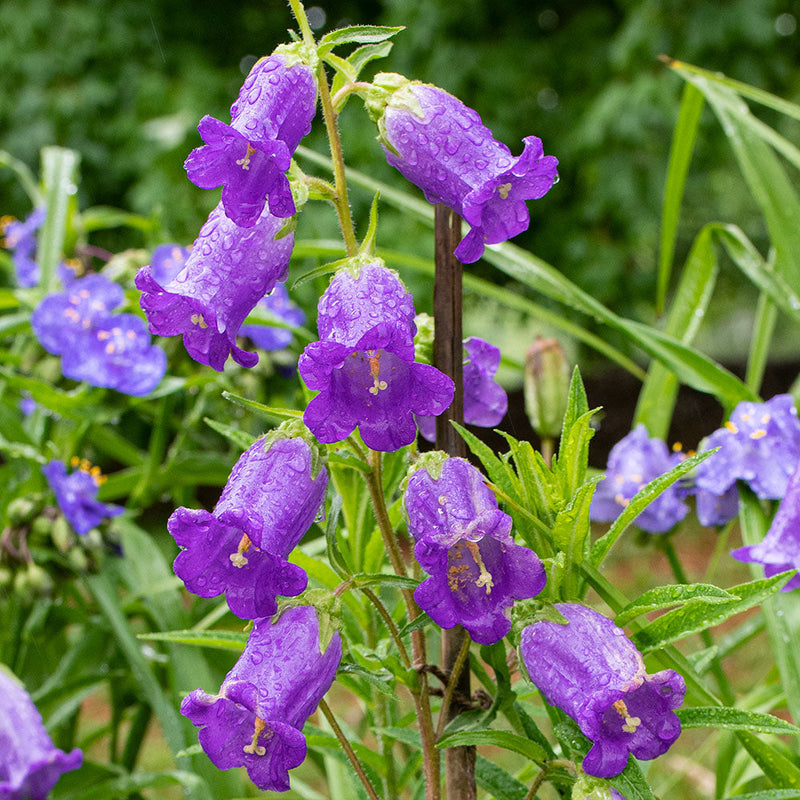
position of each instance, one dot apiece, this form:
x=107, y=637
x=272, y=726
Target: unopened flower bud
x=61, y=533
x=6, y=577
x=20, y=510
x=546, y=386
x=40, y=584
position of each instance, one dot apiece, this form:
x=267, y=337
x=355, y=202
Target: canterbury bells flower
x=590, y=670
x=442, y=146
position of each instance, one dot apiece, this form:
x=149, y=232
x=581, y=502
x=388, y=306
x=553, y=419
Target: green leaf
x=356, y=34
x=734, y=719
x=504, y=739
x=768, y=794
x=234, y=435
x=99, y=218
x=270, y=412
x=680, y=155
x=699, y=276
x=60, y=178
x=667, y=596
x=774, y=765
x=639, y=502
x=80, y=403
x=222, y=640
x=699, y=616
x=384, y=579
x=496, y=781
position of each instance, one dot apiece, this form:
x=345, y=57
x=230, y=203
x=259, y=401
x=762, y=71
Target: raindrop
x=785, y=24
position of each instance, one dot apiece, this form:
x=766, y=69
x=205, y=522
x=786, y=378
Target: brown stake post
x=448, y=357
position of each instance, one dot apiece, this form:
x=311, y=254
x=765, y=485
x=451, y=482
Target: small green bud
x=78, y=559
x=41, y=527
x=61, y=534
x=20, y=510
x=39, y=581
x=6, y=578
x=423, y=341
x=546, y=386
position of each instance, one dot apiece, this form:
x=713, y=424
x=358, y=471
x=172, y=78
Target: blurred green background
x=125, y=82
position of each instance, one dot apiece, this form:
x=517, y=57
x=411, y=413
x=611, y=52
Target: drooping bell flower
x=760, y=445
x=780, y=548
x=716, y=509
x=363, y=365
x=278, y=306
x=633, y=462
x=228, y=271
x=97, y=346
x=271, y=499
x=485, y=400
x=441, y=145
x=590, y=670
x=249, y=157
x=30, y=764
x=76, y=494
x=20, y=238
x=256, y=718
x=463, y=541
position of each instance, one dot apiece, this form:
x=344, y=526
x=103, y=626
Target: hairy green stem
x=452, y=682
x=349, y=752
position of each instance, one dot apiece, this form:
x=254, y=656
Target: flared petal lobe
x=228, y=271
x=780, y=548
x=269, y=502
x=590, y=670
x=30, y=764
x=442, y=146
x=257, y=717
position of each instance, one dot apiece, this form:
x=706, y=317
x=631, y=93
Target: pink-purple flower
x=485, y=400
x=20, y=238
x=167, y=261
x=76, y=495
x=633, y=462
x=30, y=764
x=227, y=272
x=363, y=365
x=590, y=670
x=442, y=146
x=780, y=548
x=271, y=499
x=256, y=719
x=463, y=541
x=249, y=157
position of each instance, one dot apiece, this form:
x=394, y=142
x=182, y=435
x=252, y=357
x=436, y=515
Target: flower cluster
x=256, y=719
x=20, y=238
x=249, y=157
x=632, y=463
x=76, y=494
x=485, y=400
x=30, y=764
x=463, y=541
x=96, y=345
x=593, y=672
x=759, y=445
x=363, y=365
x=442, y=146
x=271, y=499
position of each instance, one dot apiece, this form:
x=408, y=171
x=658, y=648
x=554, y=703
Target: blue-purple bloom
x=249, y=157
x=363, y=365
x=590, y=670
x=30, y=764
x=633, y=462
x=228, y=271
x=95, y=345
x=271, y=499
x=167, y=261
x=442, y=146
x=76, y=495
x=780, y=548
x=760, y=445
x=463, y=541
x=256, y=718
x=485, y=400
x=20, y=238
x=278, y=306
